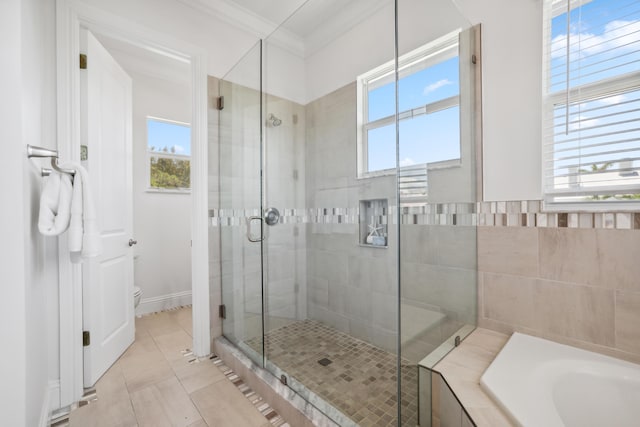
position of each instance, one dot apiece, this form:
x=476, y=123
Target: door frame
x=71, y=15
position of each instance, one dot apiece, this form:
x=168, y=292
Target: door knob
x=132, y=242
x=272, y=216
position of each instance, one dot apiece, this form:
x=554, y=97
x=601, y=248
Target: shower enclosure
x=347, y=195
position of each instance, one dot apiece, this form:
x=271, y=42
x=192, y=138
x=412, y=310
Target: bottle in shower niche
x=373, y=222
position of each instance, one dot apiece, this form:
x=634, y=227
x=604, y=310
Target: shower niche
x=373, y=223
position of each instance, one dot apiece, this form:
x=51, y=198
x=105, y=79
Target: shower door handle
x=249, y=234
x=271, y=216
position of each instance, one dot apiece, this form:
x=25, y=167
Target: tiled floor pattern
x=360, y=379
x=156, y=382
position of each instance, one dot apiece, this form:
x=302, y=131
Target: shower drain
x=325, y=362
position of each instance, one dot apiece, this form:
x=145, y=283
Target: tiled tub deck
x=458, y=399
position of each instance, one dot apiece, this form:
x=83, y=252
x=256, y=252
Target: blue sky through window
x=162, y=134
x=604, y=39
x=423, y=139
x=603, y=131
x=432, y=84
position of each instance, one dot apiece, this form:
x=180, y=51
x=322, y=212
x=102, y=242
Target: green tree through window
x=169, y=166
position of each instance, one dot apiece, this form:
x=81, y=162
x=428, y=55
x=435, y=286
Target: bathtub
x=540, y=383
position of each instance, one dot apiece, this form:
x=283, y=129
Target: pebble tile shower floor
x=360, y=379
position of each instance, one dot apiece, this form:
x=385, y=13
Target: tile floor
x=359, y=379
x=156, y=383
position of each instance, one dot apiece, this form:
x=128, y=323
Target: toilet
x=137, y=294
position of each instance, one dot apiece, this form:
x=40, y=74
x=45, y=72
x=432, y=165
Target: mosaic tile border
x=235, y=217
x=256, y=400
x=531, y=213
x=62, y=416
x=521, y=213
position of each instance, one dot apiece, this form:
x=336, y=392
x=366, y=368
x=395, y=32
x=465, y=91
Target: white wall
x=283, y=72
x=371, y=42
x=512, y=76
x=12, y=305
x=512, y=96
x=161, y=221
x=365, y=46
x=27, y=108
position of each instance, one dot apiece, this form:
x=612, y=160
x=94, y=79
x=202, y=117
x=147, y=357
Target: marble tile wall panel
x=575, y=285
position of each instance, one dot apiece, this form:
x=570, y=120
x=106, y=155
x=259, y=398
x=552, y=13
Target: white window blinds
x=591, y=126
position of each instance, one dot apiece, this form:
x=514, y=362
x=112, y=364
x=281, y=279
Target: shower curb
x=281, y=398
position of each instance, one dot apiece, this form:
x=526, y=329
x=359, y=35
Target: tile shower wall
x=238, y=165
x=238, y=193
x=579, y=286
x=354, y=288
x=286, y=292
x=350, y=287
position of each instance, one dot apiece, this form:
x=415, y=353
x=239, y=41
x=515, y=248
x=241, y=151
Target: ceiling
x=306, y=25
x=311, y=15
x=274, y=11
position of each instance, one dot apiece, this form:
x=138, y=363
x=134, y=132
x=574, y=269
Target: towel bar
x=33, y=151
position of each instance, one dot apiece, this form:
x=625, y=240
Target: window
x=169, y=154
x=591, y=127
x=429, y=114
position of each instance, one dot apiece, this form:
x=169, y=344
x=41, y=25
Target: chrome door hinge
x=86, y=338
x=222, y=311
x=83, y=61
x=221, y=103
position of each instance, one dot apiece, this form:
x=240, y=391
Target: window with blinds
x=591, y=128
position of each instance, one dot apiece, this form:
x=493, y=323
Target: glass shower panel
x=438, y=192
x=330, y=260
x=240, y=214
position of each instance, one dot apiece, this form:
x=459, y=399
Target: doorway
x=161, y=157
x=71, y=17
x=156, y=186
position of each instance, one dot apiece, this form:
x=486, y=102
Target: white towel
x=84, y=237
x=55, y=205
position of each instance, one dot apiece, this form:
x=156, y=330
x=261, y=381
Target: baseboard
x=163, y=302
x=54, y=395
x=50, y=392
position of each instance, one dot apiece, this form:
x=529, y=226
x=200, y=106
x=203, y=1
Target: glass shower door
x=239, y=217
x=347, y=213
x=330, y=291
x=438, y=99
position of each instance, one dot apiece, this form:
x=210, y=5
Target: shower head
x=274, y=121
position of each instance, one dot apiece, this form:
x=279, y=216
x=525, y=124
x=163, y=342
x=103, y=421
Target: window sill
x=444, y=164
x=167, y=191
x=377, y=174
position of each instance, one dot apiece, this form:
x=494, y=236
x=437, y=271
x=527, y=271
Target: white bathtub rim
x=506, y=382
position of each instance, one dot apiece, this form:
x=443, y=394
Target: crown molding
x=234, y=15
x=250, y=22
x=349, y=17
x=240, y=17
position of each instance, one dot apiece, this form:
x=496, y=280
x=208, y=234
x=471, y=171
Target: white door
x=107, y=279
